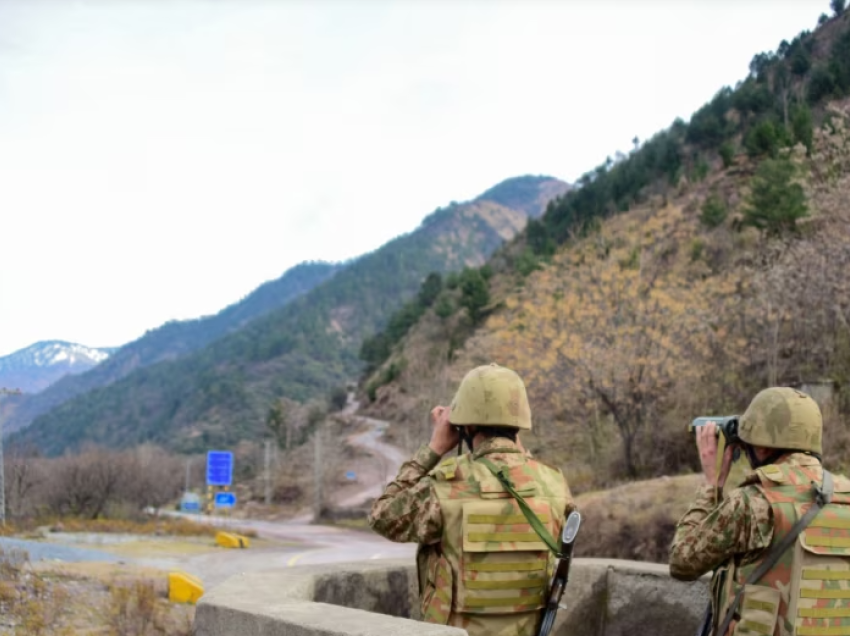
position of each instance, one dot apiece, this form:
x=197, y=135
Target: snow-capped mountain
x=38, y=366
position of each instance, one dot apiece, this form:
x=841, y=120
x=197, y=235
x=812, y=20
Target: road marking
x=298, y=557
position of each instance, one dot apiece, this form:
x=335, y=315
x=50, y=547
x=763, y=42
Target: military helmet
x=781, y=417
x=491, y=395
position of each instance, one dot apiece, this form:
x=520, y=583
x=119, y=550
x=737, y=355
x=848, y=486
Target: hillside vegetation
x=223, y=392
x=675, y=282
x=168, y=342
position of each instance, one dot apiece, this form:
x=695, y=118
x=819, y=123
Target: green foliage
x=802, y=125
x=776, y=200
x=221, y=393
x=801, y=62
x=444, y=307
x=697, y=249
x=378, y=347
x=519, y=193
x=700, y=170
x=823, y=19
x=452, y=280
x=766, y=138
x=526, y=262
x=475, y=294
x=837, y=6
x=727, y=153
x=389, y=374
x=338, y=398
x=821, y=84
x=714, y=211
x=430, y=289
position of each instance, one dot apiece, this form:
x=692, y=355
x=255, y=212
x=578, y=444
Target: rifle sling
x=823, y=496
x=533, y=520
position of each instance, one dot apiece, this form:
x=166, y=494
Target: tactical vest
x=807, y=592
x=490, y=572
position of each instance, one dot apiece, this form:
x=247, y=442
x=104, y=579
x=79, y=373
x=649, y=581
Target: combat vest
x=490, y=572
x=807, y=592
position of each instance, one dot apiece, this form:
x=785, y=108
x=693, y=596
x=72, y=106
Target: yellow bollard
x=184, y=588
x=231, y=540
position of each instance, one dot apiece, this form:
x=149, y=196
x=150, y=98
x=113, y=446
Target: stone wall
x=604, y=598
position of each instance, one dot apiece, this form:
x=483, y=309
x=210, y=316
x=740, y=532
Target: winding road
x=291, y=543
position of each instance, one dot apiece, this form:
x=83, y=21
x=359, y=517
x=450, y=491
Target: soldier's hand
x=444, y=437
x=707, y=445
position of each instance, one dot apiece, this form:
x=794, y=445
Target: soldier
x=779, y=544
x=482, y=563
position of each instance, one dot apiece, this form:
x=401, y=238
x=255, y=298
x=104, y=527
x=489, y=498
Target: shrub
x=697, y=248
x=727, y=154
x=776, y=200
x=714, y=212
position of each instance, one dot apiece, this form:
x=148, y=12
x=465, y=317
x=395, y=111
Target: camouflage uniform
x=807, y=591
x=465, y=574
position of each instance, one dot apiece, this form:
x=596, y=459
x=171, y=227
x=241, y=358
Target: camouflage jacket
x=409, y=510
x=739, y=527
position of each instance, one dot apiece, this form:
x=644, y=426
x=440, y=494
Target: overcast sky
x=159, y=160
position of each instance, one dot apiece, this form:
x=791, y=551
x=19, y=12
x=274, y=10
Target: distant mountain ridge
x=38, y=366
x=170, y=341
x=221, y=392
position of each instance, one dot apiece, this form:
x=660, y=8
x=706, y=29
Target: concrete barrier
x=604, y=598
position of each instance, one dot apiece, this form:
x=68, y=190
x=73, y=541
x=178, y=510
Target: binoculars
x=727, y=425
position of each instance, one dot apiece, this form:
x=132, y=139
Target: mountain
x=221, y=393
x=38, y=366
x=677, y=281
x=169, y=342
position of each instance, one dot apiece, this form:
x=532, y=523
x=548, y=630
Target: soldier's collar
x=496, y=445
x=800, y=459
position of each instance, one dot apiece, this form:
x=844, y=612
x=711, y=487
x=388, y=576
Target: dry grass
x=634, y=521
x=30, y=603
x=99, y=599
x=161, y=526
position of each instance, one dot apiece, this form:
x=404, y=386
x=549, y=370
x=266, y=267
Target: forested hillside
x=223, y=392
x=170, y=341
x=709, y=263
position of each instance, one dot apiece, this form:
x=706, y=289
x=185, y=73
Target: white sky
x=161, y=159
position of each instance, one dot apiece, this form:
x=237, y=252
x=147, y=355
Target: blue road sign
x=225, y=499
x=351, y=475
x=219, y=468
x=190, y=502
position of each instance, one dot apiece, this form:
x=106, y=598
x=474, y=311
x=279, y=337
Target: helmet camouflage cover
x=491, y=395
x=781, y=417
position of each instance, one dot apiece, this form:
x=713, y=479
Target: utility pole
x=318, y=471
x=268, y=476
x=188, y=470
x=2, y=468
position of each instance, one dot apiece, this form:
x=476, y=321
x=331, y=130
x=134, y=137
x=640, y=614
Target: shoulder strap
x=533, y=519
x=823, y=495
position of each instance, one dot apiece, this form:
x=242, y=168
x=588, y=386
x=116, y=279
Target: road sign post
x=219, y=476
x=219, y=468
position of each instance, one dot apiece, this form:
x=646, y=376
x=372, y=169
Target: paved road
x=388, y=458
x=42, y=551
x=296, y=542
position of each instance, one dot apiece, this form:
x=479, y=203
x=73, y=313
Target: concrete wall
x=604, y=598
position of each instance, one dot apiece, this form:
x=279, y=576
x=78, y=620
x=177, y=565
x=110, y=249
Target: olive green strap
x=536, y=525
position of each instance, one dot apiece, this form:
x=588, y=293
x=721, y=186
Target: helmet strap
x=465, y=436
x=770, y=459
